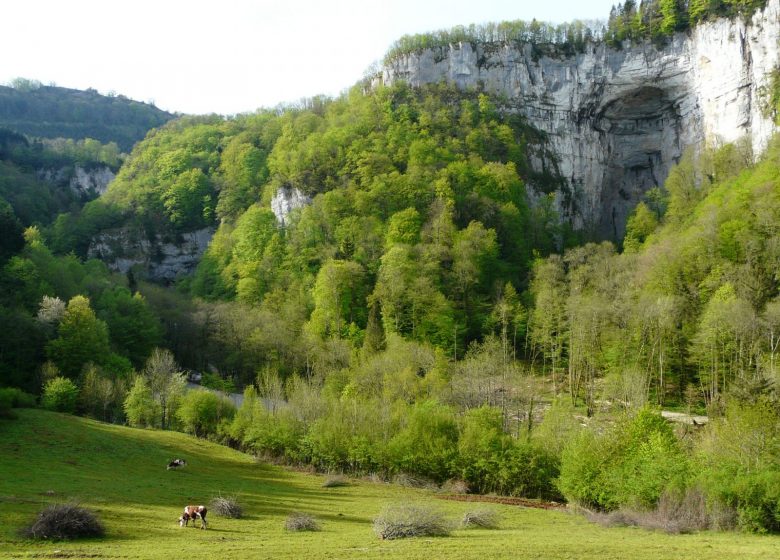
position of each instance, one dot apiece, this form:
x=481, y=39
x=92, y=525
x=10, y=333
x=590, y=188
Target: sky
x=233, y=56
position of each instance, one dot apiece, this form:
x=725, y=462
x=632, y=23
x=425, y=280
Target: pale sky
x=232, y=56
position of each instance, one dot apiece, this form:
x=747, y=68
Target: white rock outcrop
x=286, y=200
x=92, y=181
x=160, y=260
x=87, y=183
x=618, y=119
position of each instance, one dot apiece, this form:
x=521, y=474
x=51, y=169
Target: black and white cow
x=193, y=512
x=176, y=463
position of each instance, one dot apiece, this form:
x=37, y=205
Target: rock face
x=286, y=200
x=91, y=181
x=618, y=119
x=162, y=260
x=87, y=183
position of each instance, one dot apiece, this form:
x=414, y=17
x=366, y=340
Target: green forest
x=48, y=111
x=630, y=20
x=427, y=315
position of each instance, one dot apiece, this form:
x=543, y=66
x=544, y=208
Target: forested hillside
x=419, y=211
x=689, y=309
x=421, y=313
x=36, y=189
x=40, y=111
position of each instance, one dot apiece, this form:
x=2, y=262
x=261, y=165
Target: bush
x=276, y=436
x=17, y=397
x=201, y=411
x=740, y=463
x=403, y=521
x=757, y=499
x=651, y=520
x=11, y=397
x=298, y=521
x=63, y=522
x=335, y=481
x=480, y=519
x=60, y=394
x=491, y=461
x=410, y=481
x=226, y=507
x=530, y=470
x=675, y=514
x=214, y=381
x=455, y=486
x=342, y=441
x=630, y=465
x=141, y=409
x=427, y=444
x=6, y=403
x=481, y=447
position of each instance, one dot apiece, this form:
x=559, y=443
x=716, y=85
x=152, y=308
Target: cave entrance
x=641, y=136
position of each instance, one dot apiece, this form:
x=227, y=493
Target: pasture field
x=120, y=473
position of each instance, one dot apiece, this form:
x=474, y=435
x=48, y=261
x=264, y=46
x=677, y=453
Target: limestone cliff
x=160, y=260
x=286, y=200
x=618, y=119
x=84, y=182
x=164, y=259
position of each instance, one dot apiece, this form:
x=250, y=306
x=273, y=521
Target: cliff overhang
x=619, y=119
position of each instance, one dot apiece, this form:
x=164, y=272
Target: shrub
x=481, y=446
x=530, y=470
x=455, y=486
x=6, y=403
x=652, y=520
x=60, y=394
x=17, y=397
x=140, y=407
x=65, y=521
x=276, y=436
x=740, y=469
x=757, y=499
x=298, y=521
x=491, y=461
x=214, y=381
x=581, y=472
x=482, y=518
x=410, y=481
x=675, y=514
x=402, y=521
x=345, y=438
x=630, y=465
x=11, y=397
x=335, y=481
x=226, y=507
x=427, y=443
x=201, y=411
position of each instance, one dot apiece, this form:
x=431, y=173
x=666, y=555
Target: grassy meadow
x=120, y=473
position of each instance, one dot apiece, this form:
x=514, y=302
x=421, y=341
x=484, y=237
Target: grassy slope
x=120, y=472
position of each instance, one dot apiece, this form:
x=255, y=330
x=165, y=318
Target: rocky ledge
x=618, y=119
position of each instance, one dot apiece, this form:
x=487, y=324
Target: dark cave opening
x=640, y=132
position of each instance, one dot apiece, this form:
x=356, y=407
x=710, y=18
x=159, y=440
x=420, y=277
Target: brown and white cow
x=193, y=512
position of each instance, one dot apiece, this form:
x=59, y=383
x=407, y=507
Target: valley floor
x=120, y=473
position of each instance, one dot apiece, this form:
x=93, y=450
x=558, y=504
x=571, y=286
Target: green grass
x=120, y=473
